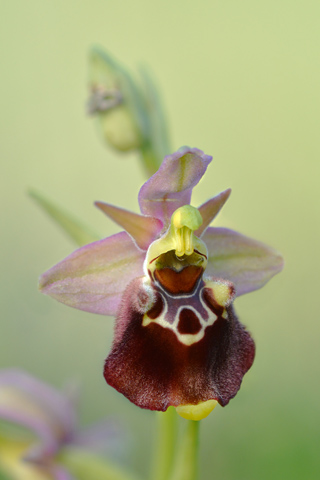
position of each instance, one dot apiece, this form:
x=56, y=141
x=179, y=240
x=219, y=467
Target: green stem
x=186, y=465
x=165, y=445
x=150, y=159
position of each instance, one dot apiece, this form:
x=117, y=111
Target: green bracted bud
x=116, y=101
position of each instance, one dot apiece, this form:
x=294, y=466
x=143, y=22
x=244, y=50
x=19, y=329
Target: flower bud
x=116, y=102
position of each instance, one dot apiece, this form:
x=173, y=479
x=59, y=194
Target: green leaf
x=4, y=475
x=86, y=466
x=78, y=232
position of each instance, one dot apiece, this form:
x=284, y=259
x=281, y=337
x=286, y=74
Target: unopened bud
x=116, y=102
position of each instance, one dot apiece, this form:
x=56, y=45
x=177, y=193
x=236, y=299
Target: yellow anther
x=196, y=412
x=184, y=221
x=184, y=243
x=180, y=239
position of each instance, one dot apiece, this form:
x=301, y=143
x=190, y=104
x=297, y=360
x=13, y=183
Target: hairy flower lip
x=165, y=374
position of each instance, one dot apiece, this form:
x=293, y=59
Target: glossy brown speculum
x=178, y=275
x=178, y=282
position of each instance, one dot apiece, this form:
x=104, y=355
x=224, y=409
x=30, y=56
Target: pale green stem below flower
x=186, y=464
x=164, y=449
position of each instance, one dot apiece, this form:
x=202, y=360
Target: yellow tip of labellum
x=196, y=412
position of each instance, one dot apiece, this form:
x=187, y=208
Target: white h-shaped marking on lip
x=185, y=338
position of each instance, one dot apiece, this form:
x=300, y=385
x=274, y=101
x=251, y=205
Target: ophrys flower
x=170, y=279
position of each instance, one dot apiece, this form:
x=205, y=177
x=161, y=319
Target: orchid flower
x=170, y=279
x=50, y=417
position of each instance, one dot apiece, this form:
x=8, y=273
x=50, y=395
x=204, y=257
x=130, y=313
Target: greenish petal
x=141, y=228
x=210, y=209
x=94, y=277
x=247, y=263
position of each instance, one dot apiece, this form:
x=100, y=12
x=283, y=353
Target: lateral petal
x=94, y=277
x=246, y=262
x=210, y=209
x=171, y=186
x=142, y=229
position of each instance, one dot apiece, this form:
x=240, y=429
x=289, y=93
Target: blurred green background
x=240, y=81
